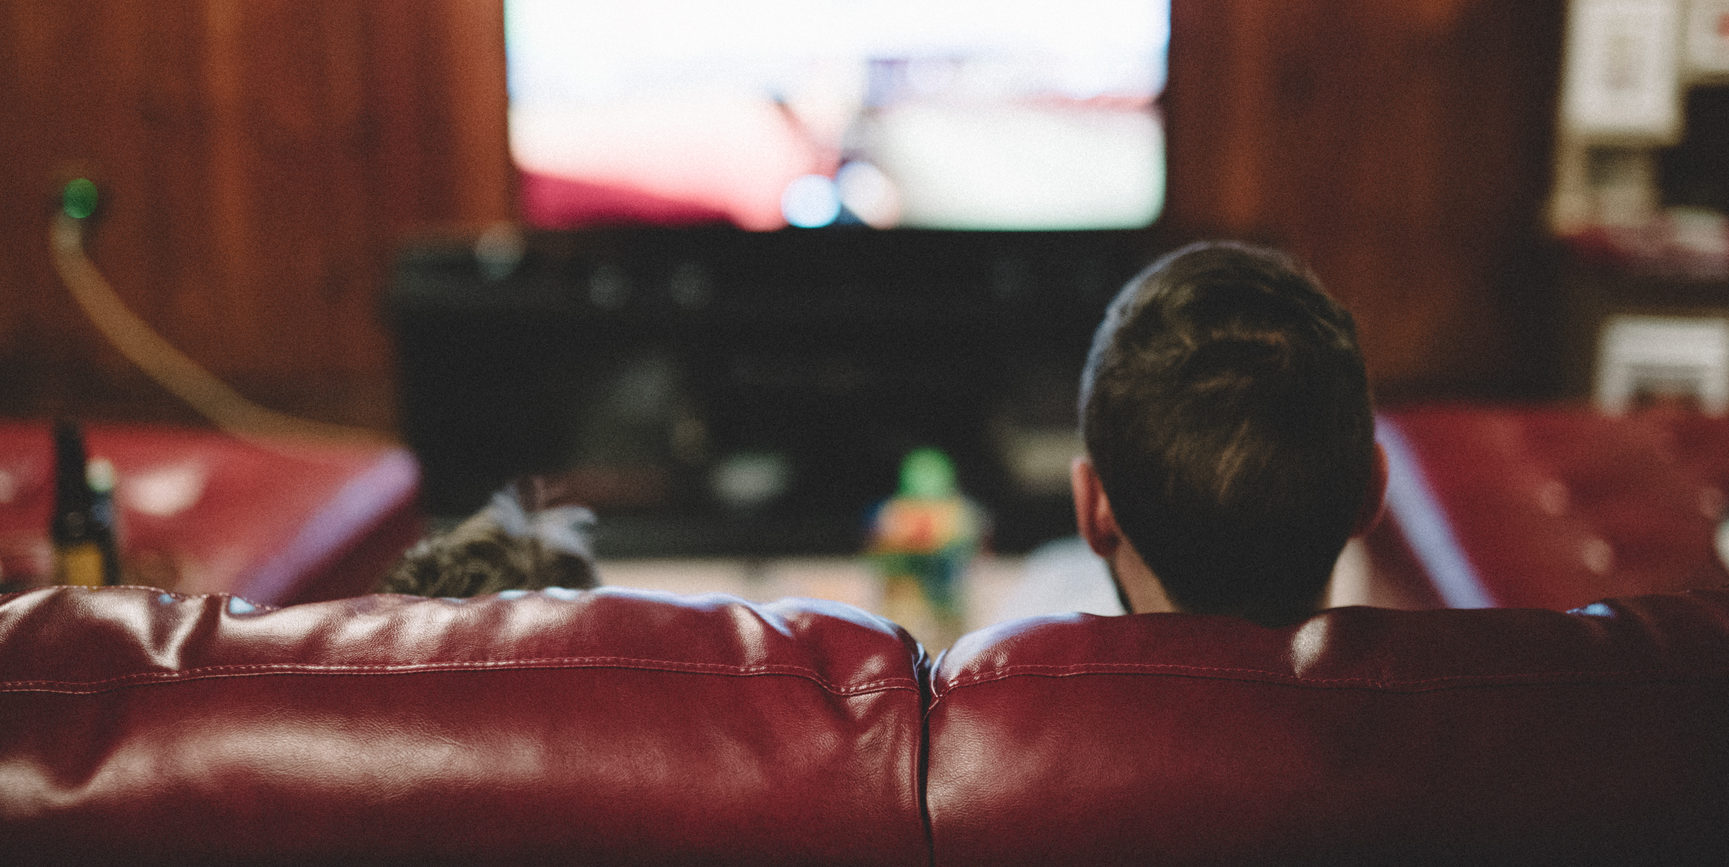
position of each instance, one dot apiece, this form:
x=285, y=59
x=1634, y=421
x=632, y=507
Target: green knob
x=78, y=199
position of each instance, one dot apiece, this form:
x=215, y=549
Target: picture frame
x=1621, y=77
x=1708, y=37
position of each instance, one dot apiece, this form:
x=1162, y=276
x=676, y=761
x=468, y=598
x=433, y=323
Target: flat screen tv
x=765, y=114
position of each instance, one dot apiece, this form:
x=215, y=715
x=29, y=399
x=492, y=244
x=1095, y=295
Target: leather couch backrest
x=612, y=726
x=1359, y=736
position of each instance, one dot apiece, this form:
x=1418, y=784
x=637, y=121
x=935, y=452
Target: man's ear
x=1375, y=499
x=1093, y=516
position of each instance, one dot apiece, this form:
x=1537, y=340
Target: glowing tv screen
x=929, y=114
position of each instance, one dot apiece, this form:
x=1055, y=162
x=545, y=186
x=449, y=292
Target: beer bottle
x=82, y=528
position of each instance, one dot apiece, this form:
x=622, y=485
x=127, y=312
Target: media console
x=722, y=391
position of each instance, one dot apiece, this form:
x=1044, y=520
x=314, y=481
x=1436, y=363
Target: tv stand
x=729, y=392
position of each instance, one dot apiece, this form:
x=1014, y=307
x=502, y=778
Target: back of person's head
x=1226, y=411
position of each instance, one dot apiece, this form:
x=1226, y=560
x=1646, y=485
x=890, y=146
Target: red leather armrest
x=202, y=512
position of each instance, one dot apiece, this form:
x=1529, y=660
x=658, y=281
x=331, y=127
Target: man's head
x=1229, y=436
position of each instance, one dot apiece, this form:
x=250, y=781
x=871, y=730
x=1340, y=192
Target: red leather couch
x=614, y=726
x=1547, y=506
x=276, y=521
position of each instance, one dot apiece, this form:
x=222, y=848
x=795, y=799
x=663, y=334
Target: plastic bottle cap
x=927, y=473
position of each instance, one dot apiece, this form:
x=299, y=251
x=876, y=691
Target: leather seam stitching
x=267, y=669
x=1556, y=678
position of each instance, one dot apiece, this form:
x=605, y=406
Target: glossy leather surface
x=617, y=726
x=608, y=726
x=201, y=512
x=1548, y=506
x=1360, y=736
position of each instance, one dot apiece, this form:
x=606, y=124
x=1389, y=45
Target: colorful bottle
x=922, y=540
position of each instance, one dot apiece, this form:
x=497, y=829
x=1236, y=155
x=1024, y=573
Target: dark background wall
x=263, y=160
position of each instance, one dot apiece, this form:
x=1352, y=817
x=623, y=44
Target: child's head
x=519, y=541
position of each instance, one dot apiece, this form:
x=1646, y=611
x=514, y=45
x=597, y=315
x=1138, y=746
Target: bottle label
x=79, y=564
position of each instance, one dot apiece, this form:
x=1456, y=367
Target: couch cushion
x=608, y=725
x=1359, y=736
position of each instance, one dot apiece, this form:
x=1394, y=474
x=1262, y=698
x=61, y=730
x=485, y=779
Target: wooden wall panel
x=264, y=157
x=1401, y=148
x=261, y=160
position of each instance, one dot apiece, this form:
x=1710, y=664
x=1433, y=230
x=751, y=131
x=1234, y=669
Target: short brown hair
x=1226, y=409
